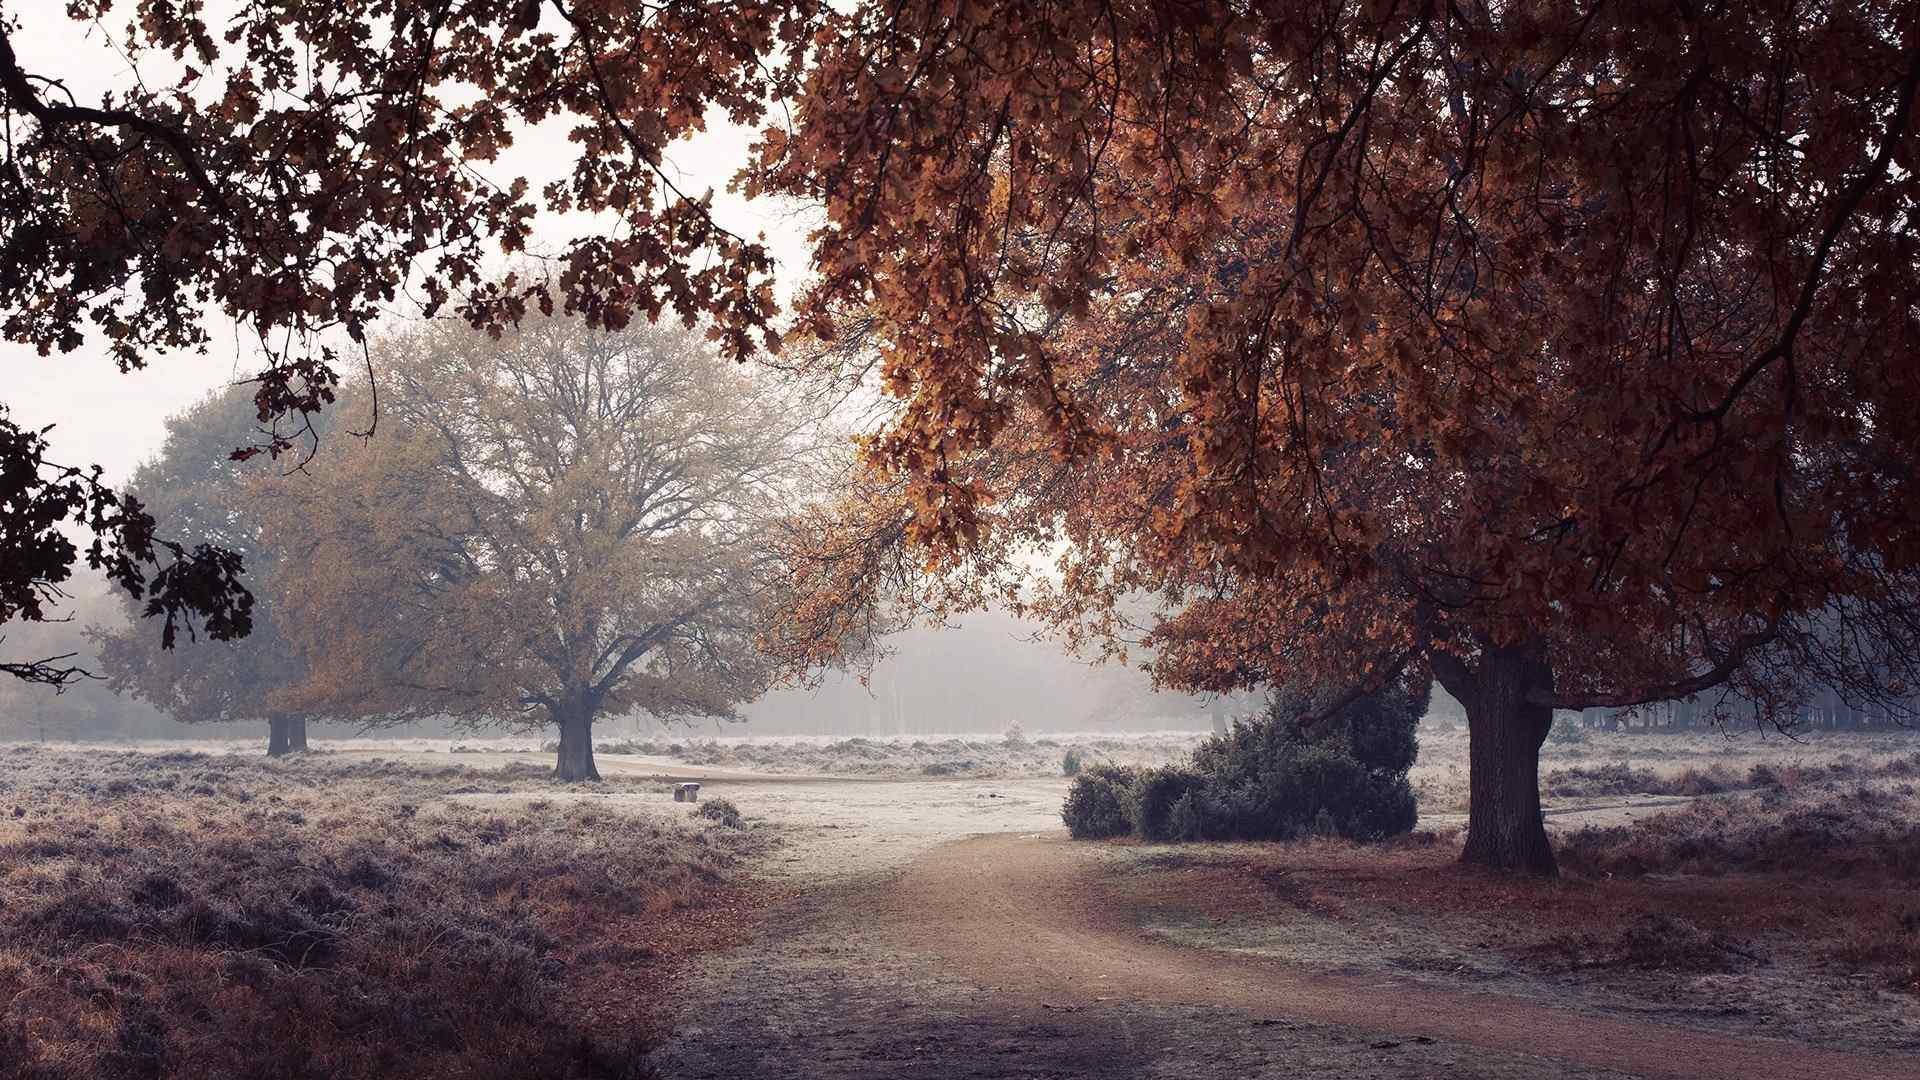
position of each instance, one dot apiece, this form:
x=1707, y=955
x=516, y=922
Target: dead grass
x=1610, y=764
x=1831, y=832
x=963, y=758
x=188, y=915
x=1650, y=941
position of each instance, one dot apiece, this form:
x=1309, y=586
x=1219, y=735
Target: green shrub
x=1155, y=793
x=1100, y=802
x=1071, y=762
x=1347, y=775
x=1265, y=779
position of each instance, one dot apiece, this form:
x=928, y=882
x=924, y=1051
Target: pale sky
x=116, y=420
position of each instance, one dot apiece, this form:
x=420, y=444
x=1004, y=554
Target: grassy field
x=342, y=914
x=181, y=914
x=986, y=758
x=1611, y=764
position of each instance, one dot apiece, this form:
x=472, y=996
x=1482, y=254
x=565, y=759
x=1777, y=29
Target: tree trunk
x=1505, y=731
x=575, y=761
x=286, y=735
x=279, y=740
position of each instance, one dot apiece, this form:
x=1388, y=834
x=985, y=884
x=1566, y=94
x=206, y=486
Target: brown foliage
x=1388, y=327
x=1506, y=345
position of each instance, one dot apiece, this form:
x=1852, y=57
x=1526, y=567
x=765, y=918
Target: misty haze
x=597, y=540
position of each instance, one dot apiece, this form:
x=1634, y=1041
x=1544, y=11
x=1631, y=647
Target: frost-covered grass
x=184, y=914
x=1604, y=763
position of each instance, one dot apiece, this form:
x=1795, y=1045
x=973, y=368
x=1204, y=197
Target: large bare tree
x=553, y=525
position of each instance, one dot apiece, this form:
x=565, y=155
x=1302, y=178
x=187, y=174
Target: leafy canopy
x=1364, y=335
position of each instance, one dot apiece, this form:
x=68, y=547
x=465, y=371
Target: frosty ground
x=1730, y=908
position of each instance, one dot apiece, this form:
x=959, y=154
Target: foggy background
x=981, y=676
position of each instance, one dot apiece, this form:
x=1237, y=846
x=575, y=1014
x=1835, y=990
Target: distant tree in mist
x=552, y=526
x=201, y=491
x=85, y=708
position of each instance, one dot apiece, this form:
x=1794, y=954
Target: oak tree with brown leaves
x=1564, y=353
x=1560, y=351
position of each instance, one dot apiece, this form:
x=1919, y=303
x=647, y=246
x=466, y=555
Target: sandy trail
x=1018, y=910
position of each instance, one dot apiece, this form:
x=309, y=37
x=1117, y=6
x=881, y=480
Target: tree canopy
x=299, y=169
x=1561, y=352
x=195, y=486
x=561, y=523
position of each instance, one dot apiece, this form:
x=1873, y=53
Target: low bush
x=722, y=811
x=1592, y=781
x=630, y=746
x=1071, y=762
x=1100, y=802
x=1155, y=794
x=1265, y=779
x=1597, y=781
x=1566, y=731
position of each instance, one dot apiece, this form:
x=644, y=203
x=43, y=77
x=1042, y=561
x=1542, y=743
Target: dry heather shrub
x=231, y=917
x=1890, y=946
x=1596, y=781
x=1832, y=832
x=723, y=812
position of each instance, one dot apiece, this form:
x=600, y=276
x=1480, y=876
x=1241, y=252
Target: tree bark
x=575, y=760
x=1505, y=732
x=278, y=741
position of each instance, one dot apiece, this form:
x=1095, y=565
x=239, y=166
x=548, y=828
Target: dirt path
x=950, y=930
x=1016, y=910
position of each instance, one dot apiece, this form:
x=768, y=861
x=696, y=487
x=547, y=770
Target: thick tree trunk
x=286, y=735
x=1504, y=827
x=575, y=761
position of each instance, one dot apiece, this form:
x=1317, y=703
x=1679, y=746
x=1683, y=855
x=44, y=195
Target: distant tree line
x=1826, y=709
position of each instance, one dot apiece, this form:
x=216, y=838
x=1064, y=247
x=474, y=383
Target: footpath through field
x=935, y=929
x=1019, y=912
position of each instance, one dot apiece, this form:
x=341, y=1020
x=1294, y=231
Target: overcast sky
x=116, y=420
